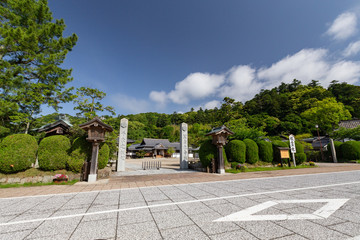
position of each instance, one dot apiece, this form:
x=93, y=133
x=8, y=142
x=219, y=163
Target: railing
x=151, y=165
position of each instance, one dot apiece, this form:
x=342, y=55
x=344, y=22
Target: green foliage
x=17, y=153
x=252, y=151
x=140, y=154
x=242, y=131
x=32, y=50
x=300, y=158
x=342, y=133
x=265, y=151
x=80, y=152
x=207, y=152
x=236, y=151
x=88, y=102
x=276, y=144
x=103, y=156
x=350, y=150
x=327, y=114
x=53, y=153
x=338, y=151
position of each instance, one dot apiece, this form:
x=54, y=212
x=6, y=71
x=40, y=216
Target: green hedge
x=207, y=152
x=104, y=154
x=300, y=156
x=265, y=151
x=80, y=152
x=276, y=151
x=53, y=153
x=252, y=151
x=350, y=150
x=337, y=145
x=236, y=151
x=17, y=153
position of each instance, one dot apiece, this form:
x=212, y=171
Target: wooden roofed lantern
x=96, y=134
x=219, y=138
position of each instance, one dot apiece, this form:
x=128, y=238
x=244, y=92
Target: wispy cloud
x=129, y=104
x=352, y=49
x=344, y=26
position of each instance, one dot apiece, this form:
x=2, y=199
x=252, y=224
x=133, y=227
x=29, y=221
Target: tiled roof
x=350, y=123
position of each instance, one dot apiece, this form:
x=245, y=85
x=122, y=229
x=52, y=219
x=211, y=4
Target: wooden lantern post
x=96, y=134
x=219, y=138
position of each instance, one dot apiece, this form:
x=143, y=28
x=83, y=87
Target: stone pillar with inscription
x=120, y=166
x=184, y=148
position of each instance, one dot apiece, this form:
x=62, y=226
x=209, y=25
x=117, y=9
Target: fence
x=151, y=165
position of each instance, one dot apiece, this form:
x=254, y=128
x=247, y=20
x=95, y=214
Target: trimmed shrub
x=300, y=156
x=337, y=145
x=104, y=154
x=17, y=153
x=236, y=151
x=276, y=151
x=252, y=151
x=207, y=152
x=265, y=151
x=350, y=150
x=53, y=153
x=80, y=152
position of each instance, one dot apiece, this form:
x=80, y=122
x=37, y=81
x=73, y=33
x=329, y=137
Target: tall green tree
x=88, y=102
x=32, y=49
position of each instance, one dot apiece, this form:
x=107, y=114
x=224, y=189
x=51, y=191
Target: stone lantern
x=219, y=138
x=96, y=134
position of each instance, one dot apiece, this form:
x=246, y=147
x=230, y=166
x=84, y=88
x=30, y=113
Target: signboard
x=284, y=153
x=292, y=143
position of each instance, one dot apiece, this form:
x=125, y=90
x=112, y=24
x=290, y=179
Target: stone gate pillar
x=120, y=166
x=184, y=147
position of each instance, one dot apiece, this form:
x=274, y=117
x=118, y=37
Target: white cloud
x=344, y=26
x=159, y=97
x=129, y=104
x=212, y=104
x=352, y=49
x=195, y=86
x=241, y=83
x=305, y=65
x=344, y=71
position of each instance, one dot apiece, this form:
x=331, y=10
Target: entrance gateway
x=184, y=146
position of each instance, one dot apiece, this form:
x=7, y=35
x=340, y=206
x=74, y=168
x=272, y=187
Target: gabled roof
x=350, y=123
x=97, y=123
x=151, y=142
x=58, y=123
x=218, y=130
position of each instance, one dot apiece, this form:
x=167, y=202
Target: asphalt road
x=317, y=206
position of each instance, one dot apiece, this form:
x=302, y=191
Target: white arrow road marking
x=248, y=214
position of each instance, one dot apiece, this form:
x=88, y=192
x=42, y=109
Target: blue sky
x=166, y=56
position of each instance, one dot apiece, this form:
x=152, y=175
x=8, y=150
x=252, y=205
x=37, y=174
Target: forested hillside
x=286, y=109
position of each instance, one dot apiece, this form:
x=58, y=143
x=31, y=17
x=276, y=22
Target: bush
x=80, y=152
x=265, y=151
x=236, y=151
x=337, y=145
x=276, y=151
x=53, y=153
x=300, y=156
x=17, y=153
x=104, y=154
x=207, y=152
x=350, y=150
x=252, y=151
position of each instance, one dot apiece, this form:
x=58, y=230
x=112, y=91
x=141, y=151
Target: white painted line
x=248, y=213
x=212, y=182
x=175, y=203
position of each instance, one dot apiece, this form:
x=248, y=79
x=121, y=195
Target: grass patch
x=34, y=172
x=30, y=184
x=267, y=168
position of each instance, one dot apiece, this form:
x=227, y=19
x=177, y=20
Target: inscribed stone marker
x=120, y=166
x=184, y=154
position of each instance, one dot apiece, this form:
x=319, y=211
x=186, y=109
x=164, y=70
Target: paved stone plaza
x=315, y=206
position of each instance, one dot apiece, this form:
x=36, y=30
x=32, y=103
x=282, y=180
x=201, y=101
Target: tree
x=32, y=49
x=327, y=114
x=88, y=102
